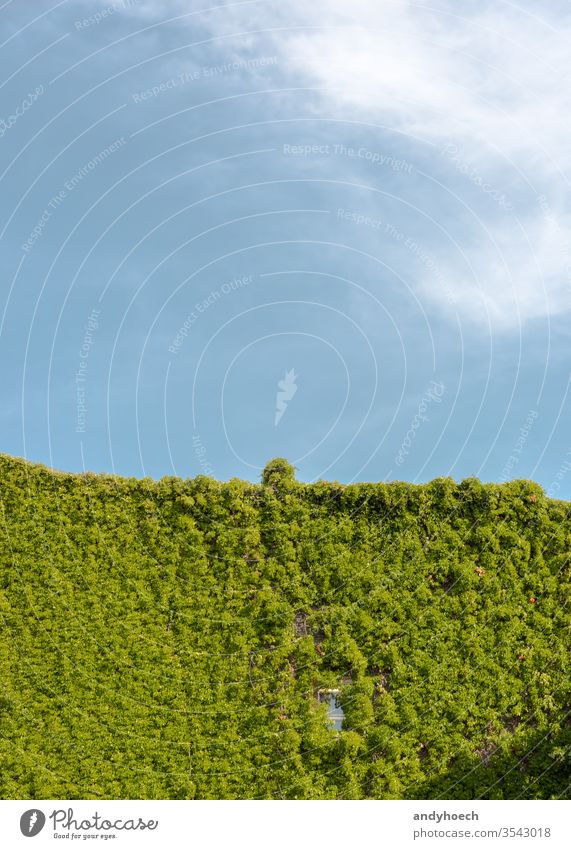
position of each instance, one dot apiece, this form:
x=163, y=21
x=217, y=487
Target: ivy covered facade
x=170, y=639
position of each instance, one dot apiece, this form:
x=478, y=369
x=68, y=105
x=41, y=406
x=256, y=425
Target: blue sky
x=333, y=232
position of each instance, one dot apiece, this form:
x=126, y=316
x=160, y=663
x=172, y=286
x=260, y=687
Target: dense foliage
x=168, y=639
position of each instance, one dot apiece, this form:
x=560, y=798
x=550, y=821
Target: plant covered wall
x=168, y=639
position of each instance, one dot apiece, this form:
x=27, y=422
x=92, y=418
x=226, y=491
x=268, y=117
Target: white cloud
x=493, y=79
x=501, y=77
x=518, y=274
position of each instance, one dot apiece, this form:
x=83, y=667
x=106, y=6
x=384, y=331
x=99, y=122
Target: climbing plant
x=169, y=639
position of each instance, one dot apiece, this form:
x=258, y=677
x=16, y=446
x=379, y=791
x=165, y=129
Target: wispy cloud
x=493, y=81
x=522, y=271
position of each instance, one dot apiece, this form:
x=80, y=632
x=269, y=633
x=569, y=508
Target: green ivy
x=168, y=639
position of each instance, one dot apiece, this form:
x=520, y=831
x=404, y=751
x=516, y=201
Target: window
x=334, y=710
